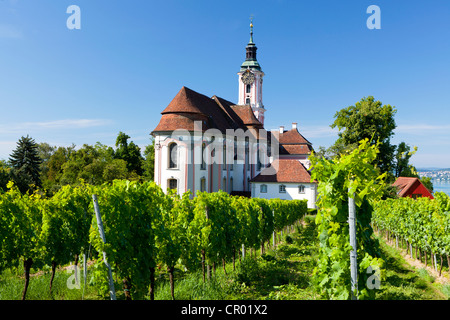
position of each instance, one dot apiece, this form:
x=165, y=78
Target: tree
x=116, y=169
x=368, y=119
x=131, y=153
x=45, y=151
x=148, y=164
x=4, y=175
x=25, y=163
x=87, y=163
x=402, y=168
x=51, y=176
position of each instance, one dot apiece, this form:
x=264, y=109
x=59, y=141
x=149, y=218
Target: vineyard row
x=423, y=223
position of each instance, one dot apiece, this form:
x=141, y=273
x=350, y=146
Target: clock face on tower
x=248, y=77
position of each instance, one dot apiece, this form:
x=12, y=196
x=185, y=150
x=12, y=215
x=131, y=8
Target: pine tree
x=25, y=163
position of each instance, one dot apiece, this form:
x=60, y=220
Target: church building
x=209, y=144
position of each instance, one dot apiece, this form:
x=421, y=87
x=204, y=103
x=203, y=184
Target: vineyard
x=133, y=232
x=421, y=224
x=143, y=228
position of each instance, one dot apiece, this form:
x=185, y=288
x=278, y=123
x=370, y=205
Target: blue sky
x=130, y=58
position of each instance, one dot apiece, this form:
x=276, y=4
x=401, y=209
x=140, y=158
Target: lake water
x=442, y=186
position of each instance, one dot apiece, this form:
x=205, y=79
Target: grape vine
x=351, y=175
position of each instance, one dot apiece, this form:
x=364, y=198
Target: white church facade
x=209, y=144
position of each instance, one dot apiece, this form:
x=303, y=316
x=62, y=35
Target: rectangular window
x=282, y=188
x=173, y=184
x=263, y=188
x=301, y=189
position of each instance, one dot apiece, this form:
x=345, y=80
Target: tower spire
x=251, y=29
x=251, y=79
x=250, y=56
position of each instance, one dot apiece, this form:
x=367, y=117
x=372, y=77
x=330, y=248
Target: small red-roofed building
x=411, y=187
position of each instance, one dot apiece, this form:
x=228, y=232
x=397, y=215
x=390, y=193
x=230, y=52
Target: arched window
x=173, y=155
x=247, y=89
x=231, y=185
x=224, y=184
x=224, y=157
x=247, y=101
x=247, y=153
x=203, y=165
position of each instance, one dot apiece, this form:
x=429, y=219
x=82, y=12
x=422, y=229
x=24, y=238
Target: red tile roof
x=189, y=106
x=292, y=137
x=187, y=101
x=292, y=142
x=245, y=112
x=284, y=170
x=294, y=149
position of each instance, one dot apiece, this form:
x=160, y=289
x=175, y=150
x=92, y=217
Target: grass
x=282, y=273
x=404, y=282
x=12, y=284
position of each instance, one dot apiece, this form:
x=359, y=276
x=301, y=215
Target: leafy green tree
x=4, y=175
x=148, y=164
x=368, y=119
x=87, y=163
x=129, y=152
x=25, y=163
x=402, y=168
x=116, y=169
x=45, y=151
x=51, y=177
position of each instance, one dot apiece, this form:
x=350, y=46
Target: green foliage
x=144, y=228
x=368, y=119
x=94, y=164
x=25, y=163
x=355, y=176
x=4, y=175
x=148, y=164
x=402, y=168
x=444, y=201
x=132, y=215
x=130, y=153
x=423, y=222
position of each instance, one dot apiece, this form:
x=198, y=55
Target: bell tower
x=251, y=80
